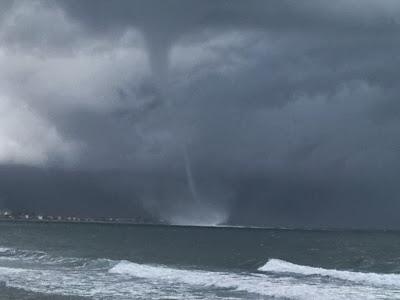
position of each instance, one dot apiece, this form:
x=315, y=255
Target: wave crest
x=111, y=279
x=281, y=266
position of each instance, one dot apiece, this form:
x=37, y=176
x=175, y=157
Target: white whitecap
x=281, y=266
x=262, y=284
x=4, y=249
x=124, y=280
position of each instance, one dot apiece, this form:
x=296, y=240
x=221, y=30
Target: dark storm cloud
x=289, y=110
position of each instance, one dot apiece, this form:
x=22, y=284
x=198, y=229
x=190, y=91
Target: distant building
x=40, y=217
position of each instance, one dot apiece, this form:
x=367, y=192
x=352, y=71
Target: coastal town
x=8, y=215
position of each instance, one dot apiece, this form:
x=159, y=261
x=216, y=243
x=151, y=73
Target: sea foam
x=281, y=266
x=261, y=284
x=109, y=279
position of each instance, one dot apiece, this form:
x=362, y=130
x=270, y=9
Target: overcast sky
x=289, y=110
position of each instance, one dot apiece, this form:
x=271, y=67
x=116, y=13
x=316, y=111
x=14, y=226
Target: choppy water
x=106, y=261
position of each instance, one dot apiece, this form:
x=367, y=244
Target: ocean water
x=116, y=261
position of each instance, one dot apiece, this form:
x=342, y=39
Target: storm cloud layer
x=289, y=110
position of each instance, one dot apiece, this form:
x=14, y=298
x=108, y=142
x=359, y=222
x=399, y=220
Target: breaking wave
x=29, y=257
x=281, y=266
x=100, y=279
x=273, y=286
x=4, y=250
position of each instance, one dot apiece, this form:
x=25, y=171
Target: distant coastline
x=2, y=220
x=119, y=221
x=36, y=217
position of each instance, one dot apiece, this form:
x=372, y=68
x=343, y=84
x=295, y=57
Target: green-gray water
x=115, y=261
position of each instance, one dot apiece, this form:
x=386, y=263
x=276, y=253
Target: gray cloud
x=288, y=110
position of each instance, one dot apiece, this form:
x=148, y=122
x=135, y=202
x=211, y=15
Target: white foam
x=36, y=257
x=261, y=284
x=281, y=266
x=106, y=279
x=3, y=249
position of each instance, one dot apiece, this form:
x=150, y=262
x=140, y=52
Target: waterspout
x=158, y=47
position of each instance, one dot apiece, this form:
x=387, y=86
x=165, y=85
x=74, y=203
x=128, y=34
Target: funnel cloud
x=265, y=113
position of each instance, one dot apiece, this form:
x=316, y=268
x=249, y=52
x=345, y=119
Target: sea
x=54, y=260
